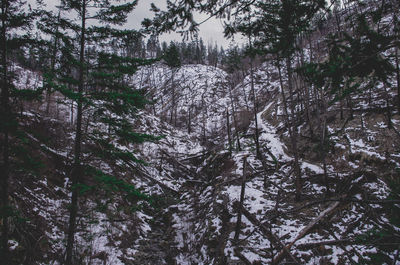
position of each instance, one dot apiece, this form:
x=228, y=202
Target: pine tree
x=16, y=20
x=212, y=54
x=172, y=57
x=96, y=78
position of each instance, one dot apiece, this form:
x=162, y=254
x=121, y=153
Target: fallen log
x=180, y=165
x=265, y=230
x=344, y=242
x=311, y=245
x=202, y=154
x=241, y=257
x=162, y=185
x=281, y=255
x=143, y=172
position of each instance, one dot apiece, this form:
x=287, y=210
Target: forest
x=119, y=147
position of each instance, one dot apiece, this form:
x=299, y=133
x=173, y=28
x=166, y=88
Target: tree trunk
x=52, y=64
x=396, y=14
x=190, y=120
x=228, y=130
x=173, y=99
x=254, y=105
x=76, y=168
x=307, y=95
x=388, y=111
x=398, y=78
x=242, y=193
x=350, y=105
x=234, y=116
x=323, y=142
x=5, y=146
x=291, y=123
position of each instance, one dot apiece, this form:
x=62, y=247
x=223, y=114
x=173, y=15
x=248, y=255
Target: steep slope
x=359, y=173
x=195, y=181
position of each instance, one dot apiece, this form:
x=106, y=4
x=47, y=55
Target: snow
x=202, y=91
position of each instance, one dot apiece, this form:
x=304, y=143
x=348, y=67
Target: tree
x=16, y=20
x=212, y=54
x=276, y=26
x=355, y=63
x=98, y=82
x=50, y=24
x=153, y=46
x=172, y=59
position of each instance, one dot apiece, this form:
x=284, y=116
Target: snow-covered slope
x=198, y=98
x=194, y=184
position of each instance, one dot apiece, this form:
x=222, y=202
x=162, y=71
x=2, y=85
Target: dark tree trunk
x=291, y=123
x=398, y=78
x=242, y=194
x=190, y=120
x=5, y=146
x=234, y=116
x=388, y=111
x=52, y=64
x=294, y=128
x=76, y=168
x=228, y=130
x=256, y=137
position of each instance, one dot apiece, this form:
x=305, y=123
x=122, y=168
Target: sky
x=211, y=31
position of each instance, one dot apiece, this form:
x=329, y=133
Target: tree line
x=192, y=51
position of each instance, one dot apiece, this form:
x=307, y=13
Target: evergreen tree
x=153, y=46
x=221, y=56
x=212, y=55
x=16, y=20
x=172, y=57
x=97, y=80
x=355, y=63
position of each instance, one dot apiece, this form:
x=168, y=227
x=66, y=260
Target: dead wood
x=344, y=242
x=179, y=164
x=143, y=173
x=242, y=257
x=306, y=230
x=311, y=245
x=265, y=230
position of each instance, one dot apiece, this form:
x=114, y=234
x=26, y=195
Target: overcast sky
x=210, y=31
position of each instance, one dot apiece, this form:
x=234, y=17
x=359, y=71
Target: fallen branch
x=265, y=230
x=306, y=246
x=336, y=200
x=311, y=245
x=179, y=164
x=352, y=200
x=162, y=185
x=195, y=156
x=49, y=150
x=241, y=257
x=305, y=231
x=147, y=175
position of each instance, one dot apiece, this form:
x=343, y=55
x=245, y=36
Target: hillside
x=119, y=151
x=197, y=223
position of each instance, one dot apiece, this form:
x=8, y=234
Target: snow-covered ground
x=202, y=182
